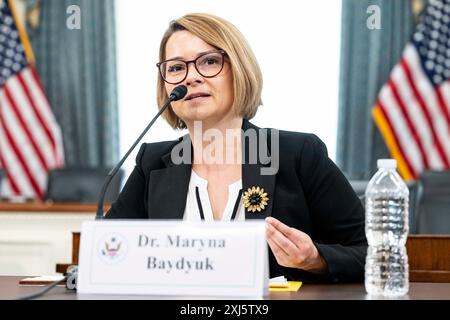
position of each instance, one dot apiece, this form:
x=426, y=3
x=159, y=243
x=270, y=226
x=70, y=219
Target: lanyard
x=200, y=208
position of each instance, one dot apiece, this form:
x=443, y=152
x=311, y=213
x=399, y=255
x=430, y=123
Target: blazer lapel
x=168, y=187
x=251, y=172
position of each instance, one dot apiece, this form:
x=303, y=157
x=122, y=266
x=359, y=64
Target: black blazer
x=308, y=193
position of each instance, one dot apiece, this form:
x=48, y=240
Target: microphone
x=177, y=93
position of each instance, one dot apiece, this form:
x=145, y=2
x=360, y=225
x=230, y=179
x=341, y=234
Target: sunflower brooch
x=255, y=199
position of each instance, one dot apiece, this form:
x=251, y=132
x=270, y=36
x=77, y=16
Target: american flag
x=30, y=138
x=413, y=107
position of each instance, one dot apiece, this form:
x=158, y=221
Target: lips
x=196, y=95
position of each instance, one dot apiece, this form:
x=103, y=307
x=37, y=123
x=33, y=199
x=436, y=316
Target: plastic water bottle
x=387, y=226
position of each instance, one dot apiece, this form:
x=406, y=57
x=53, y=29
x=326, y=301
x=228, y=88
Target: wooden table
x=10, y=289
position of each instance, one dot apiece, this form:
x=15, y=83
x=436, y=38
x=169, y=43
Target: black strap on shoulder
x=200, y=207
x=199, y=204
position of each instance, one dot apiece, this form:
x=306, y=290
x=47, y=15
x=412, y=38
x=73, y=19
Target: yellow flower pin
x=255, y=199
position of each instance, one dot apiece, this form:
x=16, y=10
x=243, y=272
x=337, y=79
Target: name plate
x=173, y=258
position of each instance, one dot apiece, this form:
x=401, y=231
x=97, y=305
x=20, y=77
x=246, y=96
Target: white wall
x=296, y=43
x=32, y=243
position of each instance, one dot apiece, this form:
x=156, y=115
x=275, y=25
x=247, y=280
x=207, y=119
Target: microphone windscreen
x=178, y=93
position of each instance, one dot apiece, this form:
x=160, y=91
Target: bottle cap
x=387, y=163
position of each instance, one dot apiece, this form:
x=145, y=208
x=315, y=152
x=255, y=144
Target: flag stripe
x=401, y=131
x=415, y=111
x=22, y=160
x=409, y=123
x=416, y=99
x=444, y=108
x=9, y=179
x=30, y=138
x=39, y=104
x=15, y=170
x=16, y=137
x=427, y=117
x=43, y=110
x=445, y=89
x=29, y=107
x=396, y=147
x=26, y=128
x=43, y=124
x=427, y=92
x=392, y=142
x=17, y=132
x=34, y=83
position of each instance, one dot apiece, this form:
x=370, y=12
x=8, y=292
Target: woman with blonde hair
x=234, y=170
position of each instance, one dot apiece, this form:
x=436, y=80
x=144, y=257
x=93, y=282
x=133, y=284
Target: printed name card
x=173, y=258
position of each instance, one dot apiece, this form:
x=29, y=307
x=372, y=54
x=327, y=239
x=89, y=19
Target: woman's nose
x=192, y=75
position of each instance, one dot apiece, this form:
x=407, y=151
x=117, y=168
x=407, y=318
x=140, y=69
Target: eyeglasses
x=208, y=65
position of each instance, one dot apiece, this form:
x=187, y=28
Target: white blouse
x=192, y=211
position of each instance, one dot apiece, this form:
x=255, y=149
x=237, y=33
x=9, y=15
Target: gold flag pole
x=22, y=33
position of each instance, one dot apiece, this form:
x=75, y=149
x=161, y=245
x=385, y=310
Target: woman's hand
x=293, y=248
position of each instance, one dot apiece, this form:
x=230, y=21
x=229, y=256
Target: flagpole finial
x=417, y=8
x=33, y=15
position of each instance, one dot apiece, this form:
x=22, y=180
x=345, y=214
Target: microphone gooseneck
x=177, y=93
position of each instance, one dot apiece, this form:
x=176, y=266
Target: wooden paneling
x=75, y=246
x=49, y=207
x=429, y=258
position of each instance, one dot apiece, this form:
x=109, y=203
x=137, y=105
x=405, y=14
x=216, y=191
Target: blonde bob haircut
x=221, y=34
